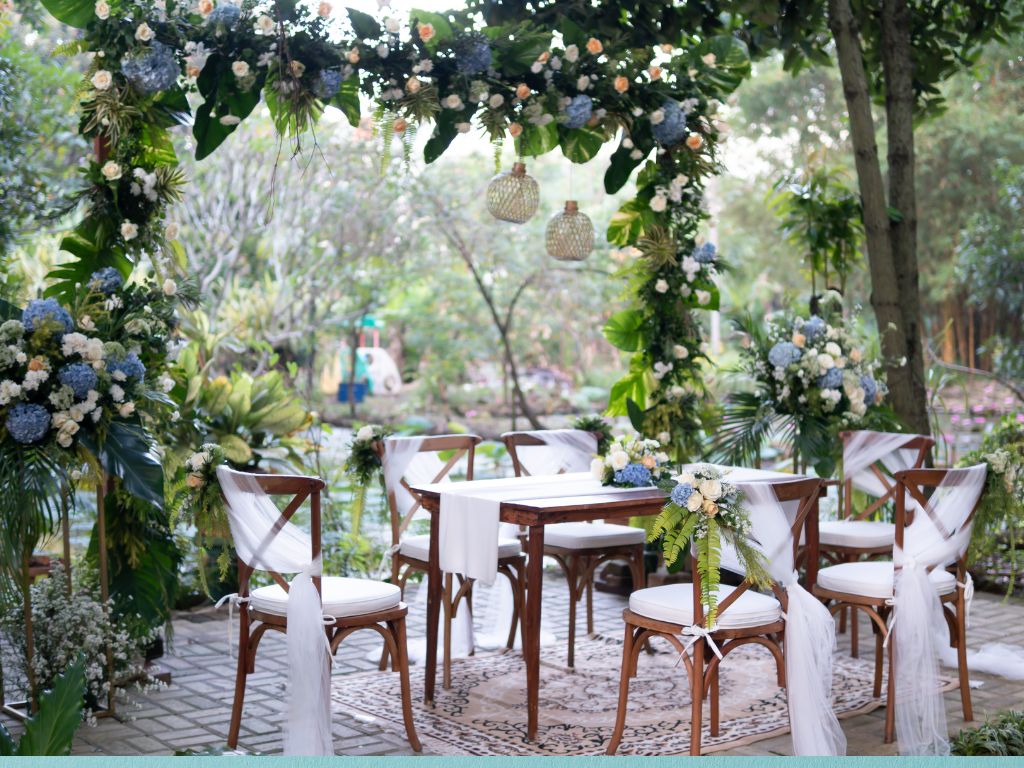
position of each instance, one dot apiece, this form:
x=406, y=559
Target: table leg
x=531, y=625
x=434, y=587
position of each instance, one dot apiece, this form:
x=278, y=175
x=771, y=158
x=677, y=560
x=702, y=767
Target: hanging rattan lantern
x=512, y=195
x=570, y=234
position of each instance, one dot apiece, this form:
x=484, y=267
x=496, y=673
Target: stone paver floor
x=193, y=713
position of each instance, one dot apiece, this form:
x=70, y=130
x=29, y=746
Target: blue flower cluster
x=704, y=254
x=80, y=377
x=681, y=494
x=225, y=14
x=328, y=84
x=815, y=326
x=129, y=365
x=41, y=311
x=156, y=69
x=672, y=129
x=636, y=475
x=27, y=423
x=870, y=387
x=784, y=353
x=579, y=110
x=107, y=280
x=831, y=379
x=472, y=54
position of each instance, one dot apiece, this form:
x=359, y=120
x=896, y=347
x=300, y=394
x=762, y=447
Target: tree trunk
x=885, y=294
x=898, y=69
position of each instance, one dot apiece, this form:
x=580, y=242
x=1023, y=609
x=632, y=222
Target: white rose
x=680, y=352
x=572, y=53
x=383, y=51
x=664, y=438
x=657, y=117
x=825, y=361
x=170, y=287
x=833, y=349
x=661, y=286
x=619, y=460
x=711, y=489
x=659, y=203
x=364, y=434
x=703, y=297
x=143, y=33
x=240, y=68
x=392, y=25
x=582, y=83
x=496, y=101
x=102, y=80
x=597, y=469
x=116, y=393
x=126, y=409
x=111, y=171
x=265, y=24
x=129, y=230
x=102, y=10
x=695, y=502
x=454, y=101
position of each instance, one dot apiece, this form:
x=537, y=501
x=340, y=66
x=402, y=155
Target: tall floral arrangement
x=812, y=377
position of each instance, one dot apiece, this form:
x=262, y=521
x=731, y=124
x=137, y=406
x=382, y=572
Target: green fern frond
x=709, y=562
x=753, y=562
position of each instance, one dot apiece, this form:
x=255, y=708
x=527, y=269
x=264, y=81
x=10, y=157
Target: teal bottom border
x=502, y=762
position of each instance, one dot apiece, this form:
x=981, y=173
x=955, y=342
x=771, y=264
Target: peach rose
x=522, y=90
x=426, y=32
x=353, y=56
x=324, y=10
x=400, y=125
x=621, y=84
x=710, y=508
x=594, y=46
x=655, y=73
x=695, y=141
x=515, y=129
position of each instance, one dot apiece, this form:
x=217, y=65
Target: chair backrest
x=882, y=476
x=804, y=491
x=459, y=445
x=516, y=440
x=300, y=488
x=916, y=483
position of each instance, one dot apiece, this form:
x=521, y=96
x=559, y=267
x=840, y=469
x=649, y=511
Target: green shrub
x=1002, y=737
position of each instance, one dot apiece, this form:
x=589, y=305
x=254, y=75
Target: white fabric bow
x=695, y=632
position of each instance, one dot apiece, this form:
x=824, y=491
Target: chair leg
x=517, y=585
x=398, y=632
x=854, y=634
x=890, y=694
x=590, y=603
x=842, y=620
x=879, y=661
x=573, y=598
x=624, y=675
x=396, y=568
x=696, y=698
x=714, y=702
x=961, y=659
x=240, y=677
x=448, y=613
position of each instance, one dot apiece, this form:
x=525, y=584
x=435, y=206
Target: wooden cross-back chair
x=745, y=617
x=868, y=586
x=580, y=548
x=411, y=554
x=856, y=535
x=348, y=604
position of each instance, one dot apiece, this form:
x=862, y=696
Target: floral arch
x=529, y=72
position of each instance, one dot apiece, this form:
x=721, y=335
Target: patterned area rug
x=484, y=712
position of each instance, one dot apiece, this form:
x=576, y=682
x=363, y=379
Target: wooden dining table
x=535, y=513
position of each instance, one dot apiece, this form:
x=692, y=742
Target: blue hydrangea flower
x=129, y=365
x=784, y=353
x=579, y=110
x=155, y=69
x=80, y=377
x=472, y=54
x=40, y=311
x=704, y=254
x=107, y=280
x=328, y=84
x=225, y=14
x=681, y=494
x=672, y=129
x=633, y=474
x=870, y=387
x=815, y=326
x=831, y=379
x=27, y=423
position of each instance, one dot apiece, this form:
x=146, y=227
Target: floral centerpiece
x=707, y=509
x=363, y=466
x=999, y=521
x=812, y=377
x=631, y=462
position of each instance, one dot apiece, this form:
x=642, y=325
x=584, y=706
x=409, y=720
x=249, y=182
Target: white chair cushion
x=674, y=603
x=418, y=547
x=873, y=578
x=592, y=535
x=856, y=533
x=341, y=597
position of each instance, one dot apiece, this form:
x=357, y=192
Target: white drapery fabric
x=265, y=544
x=564, y=450
x=866, y=447
x=810, y=636
x=937, y=537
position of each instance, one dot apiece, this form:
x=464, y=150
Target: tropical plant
x=51, y=729
x=598, y=426
x=1002, y=736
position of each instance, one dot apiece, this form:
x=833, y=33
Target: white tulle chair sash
x=866, y=447
x=563, y=450
x=937, y=537
x=265, y=542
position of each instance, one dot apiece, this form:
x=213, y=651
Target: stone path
x=193, y=713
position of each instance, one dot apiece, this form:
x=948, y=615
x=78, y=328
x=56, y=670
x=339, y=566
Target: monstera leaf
x=623, y=330
x=74, y=13
x=127, y=453
x=51, y=730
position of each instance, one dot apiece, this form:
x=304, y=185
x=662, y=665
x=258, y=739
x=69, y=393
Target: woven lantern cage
x=512, y=195
x=570, y=234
